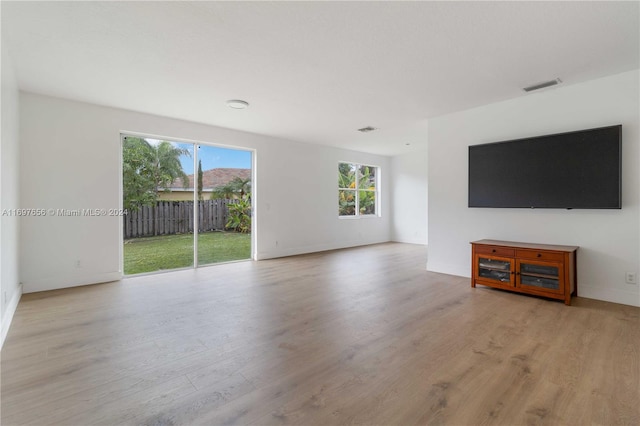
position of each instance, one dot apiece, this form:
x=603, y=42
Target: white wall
x=71, y=159
x=608, y=239
x=409, y=198
x=10, y=290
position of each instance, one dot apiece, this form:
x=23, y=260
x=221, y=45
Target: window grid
x=357, y=190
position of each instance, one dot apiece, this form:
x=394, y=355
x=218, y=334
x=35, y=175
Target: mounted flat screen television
x=574, y=170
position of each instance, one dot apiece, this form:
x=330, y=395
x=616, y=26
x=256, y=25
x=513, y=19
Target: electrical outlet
x=630, y=278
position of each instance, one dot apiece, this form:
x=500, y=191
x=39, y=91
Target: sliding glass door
x=187, y=205
x=224, y=203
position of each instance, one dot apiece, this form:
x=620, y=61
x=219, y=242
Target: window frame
x=376, y=191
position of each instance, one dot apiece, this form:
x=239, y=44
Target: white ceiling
x=314, y=71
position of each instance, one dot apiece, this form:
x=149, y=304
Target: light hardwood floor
x=356, y=336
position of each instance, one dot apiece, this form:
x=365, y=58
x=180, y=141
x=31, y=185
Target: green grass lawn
x=176, y=251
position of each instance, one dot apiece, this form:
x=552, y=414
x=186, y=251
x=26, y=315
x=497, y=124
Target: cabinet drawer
x=496, y=250
x=539, y=255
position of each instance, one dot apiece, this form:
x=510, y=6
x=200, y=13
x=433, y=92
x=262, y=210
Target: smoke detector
x=237, y=104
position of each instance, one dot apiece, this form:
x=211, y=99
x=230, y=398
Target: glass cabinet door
x=539, y=275
x=494, y=269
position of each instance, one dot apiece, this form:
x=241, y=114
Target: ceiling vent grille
x=367, y=129
x=542, y=85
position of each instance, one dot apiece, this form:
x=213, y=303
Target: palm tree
x=148, y=168
x=243, y=186
x=226, y=191
x=166, y=164
x=235, y=188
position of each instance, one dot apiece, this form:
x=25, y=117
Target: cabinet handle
x=539, y=254
x=518, y=273
x=493, y=251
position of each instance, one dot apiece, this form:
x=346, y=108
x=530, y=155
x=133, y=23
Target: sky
x=214, y=157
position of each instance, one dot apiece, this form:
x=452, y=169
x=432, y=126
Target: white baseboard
x=449, y=268
x=294, y=251
x=55, y=283
x=409, y=240
x=9, y=313
x=631, y=298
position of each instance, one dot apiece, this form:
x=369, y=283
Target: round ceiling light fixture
x=237, y=104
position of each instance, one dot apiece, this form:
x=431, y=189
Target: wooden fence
x=175, y=217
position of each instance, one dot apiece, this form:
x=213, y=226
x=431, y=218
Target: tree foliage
x=239, y=218
x=367, y=194
x=346, y=193
x=148, y=168
x=351, y=198
x=199, y=179
x=237, y=188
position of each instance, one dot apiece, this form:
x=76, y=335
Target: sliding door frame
x=196, y=144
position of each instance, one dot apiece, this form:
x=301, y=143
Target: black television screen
x=575, y=170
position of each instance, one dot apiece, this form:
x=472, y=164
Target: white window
x=357, y=190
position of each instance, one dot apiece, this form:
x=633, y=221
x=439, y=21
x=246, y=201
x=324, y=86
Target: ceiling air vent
x=367, y=129
x=542, y=85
